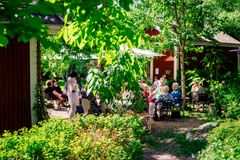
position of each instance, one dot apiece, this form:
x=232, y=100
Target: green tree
x=228, y=14
x=181, y=23
x=105, y=28
x=19, y=19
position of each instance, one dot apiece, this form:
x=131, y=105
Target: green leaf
x=108, y=58
x=3, y=41
x=130, y=46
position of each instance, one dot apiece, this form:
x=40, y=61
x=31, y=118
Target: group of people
x=159, y=92
x=53, y=92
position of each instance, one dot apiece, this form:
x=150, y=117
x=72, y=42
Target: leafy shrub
x=231, y=101
x=233, y=110
x=189, y=147
x=86, y=137
x=223, y=142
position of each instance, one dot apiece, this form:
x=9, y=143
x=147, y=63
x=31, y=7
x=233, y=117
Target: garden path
x=166, y=149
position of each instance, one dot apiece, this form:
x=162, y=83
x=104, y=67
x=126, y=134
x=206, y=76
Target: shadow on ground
x=178, y=139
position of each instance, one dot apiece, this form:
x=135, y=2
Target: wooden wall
x=15, y=86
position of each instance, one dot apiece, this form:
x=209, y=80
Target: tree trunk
x=183, y=78
x=41, y=110
x=39, y=68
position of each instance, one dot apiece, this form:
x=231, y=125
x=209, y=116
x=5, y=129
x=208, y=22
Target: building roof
x=222, y=38
x=51, y=19
x=47, y=19
x=146, y=53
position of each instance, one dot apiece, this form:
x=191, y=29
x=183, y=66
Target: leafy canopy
x=19, y=19
x=179, y=22
x=105, y=28
x=99, y=25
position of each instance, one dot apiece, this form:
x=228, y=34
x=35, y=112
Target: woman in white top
x=72, y=93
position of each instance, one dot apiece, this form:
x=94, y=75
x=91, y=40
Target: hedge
x=86, y=137
x=223, y=142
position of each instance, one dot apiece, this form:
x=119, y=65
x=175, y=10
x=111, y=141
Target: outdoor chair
x=166, y=106
x=203, y=101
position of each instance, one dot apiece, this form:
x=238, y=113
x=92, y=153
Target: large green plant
x=86, y=137
x=122, y=69
x=230, y=99
x=102, y=28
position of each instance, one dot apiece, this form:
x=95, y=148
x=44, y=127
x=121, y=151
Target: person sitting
x=176, y=94
x=62, y=97
x=56, y=87
x=163, y=100
x=195, y=91
x=164, y=96
x=51, y=94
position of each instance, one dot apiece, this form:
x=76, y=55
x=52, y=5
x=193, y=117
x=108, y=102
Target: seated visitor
x=51, y=94
x=164, y=96
x=176, y=94
x=55, y=86
x=195, y=91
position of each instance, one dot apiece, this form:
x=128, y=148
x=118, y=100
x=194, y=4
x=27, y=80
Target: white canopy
x=146, y=53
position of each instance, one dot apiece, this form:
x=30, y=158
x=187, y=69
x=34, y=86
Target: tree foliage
x=19, y=19
x=105, y=28
x=229, y=16
x=59, y=59
x=99, y=25
x=121, y=72
x=181, y=24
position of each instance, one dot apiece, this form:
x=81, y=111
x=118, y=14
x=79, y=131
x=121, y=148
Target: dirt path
x=164, y=150
x=180, y=125
x=61, y=113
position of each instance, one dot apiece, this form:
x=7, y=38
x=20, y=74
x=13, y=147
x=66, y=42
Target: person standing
x=72, y=93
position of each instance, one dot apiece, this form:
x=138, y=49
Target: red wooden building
x=169, y=63
x=18, y=79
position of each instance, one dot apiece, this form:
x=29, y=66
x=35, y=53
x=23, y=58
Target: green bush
x=230, y=99
x=86, y=137
x=223, y=142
